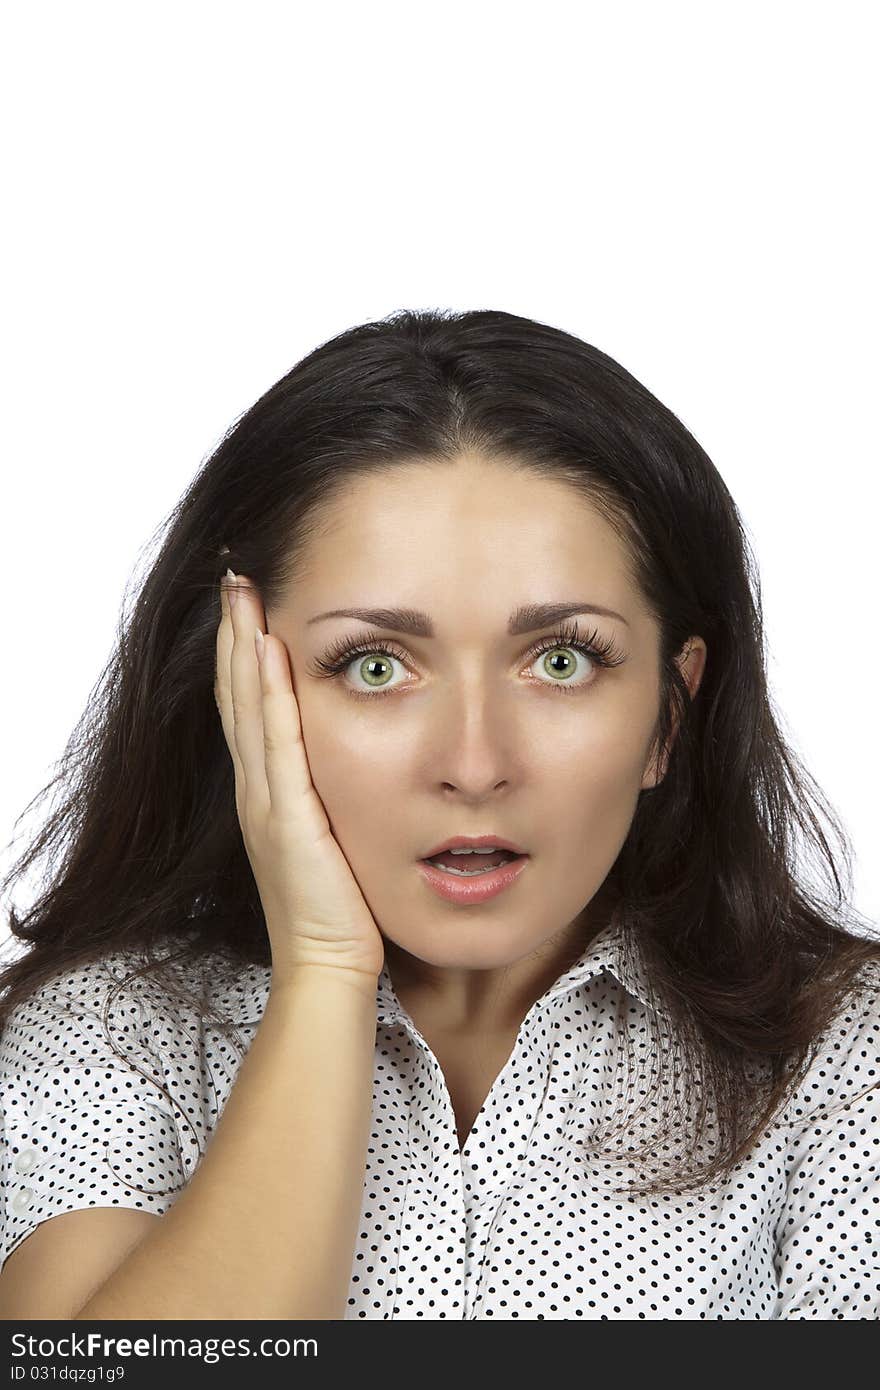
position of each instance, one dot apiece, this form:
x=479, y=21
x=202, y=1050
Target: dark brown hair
x=750, y=961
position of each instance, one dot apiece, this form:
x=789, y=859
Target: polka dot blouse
x=517, y=1224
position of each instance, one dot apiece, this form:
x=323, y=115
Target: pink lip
x=472, y=890
x=472, y=842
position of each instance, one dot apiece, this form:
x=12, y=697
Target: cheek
x=605, y=784
x=601, y=741
x=597, y=761
x=582, y=775
x=349, y=771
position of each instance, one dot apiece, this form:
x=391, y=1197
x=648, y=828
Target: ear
x=691, y=662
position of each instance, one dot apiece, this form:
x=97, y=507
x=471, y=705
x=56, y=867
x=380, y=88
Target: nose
x=474, y=751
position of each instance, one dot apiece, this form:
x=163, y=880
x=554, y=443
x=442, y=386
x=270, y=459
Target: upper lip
x=471, y=841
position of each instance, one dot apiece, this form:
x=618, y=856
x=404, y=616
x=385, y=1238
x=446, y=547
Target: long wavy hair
x=751, y=962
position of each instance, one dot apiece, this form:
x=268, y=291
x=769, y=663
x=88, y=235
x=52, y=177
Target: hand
x=315, y=911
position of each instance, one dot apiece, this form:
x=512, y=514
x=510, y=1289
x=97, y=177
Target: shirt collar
x=614, y=949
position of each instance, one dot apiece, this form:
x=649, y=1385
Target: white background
x=196, y=195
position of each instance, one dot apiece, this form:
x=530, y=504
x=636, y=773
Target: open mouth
x=471, y=863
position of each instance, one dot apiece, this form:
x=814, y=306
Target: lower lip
x=472, y=890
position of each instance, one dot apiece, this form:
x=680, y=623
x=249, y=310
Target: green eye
x=377, y=656
x=552, y=656
x=370, y=673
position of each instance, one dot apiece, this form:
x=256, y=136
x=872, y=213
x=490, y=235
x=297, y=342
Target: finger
x=223, y=694
x=247, y=697
x=287, y=770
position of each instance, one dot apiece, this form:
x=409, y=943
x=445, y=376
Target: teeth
x=477, y=849
x=467, y=873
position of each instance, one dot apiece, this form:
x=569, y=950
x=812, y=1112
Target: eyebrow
x=530, y=617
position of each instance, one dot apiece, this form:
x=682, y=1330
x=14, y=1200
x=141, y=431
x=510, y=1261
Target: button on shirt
x=517, y=1223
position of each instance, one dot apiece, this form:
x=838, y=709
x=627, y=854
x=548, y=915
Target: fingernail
x=230, y=589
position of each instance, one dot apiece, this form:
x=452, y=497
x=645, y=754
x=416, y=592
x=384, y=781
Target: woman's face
x=473, y=736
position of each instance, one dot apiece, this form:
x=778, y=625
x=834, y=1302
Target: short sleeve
x=827, y=1255
x=81, y=1125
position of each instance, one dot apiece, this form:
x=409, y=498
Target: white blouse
x=518, y=1224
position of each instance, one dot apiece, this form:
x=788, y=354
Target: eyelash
x=337, y=660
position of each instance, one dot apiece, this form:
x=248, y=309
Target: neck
x=467, y=1002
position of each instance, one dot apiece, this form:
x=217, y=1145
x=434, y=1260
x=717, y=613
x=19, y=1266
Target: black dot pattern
x=514, y=1225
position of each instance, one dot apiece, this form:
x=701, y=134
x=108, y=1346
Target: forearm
x=267, y=1224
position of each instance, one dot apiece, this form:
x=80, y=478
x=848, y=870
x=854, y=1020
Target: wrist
x=292, y=978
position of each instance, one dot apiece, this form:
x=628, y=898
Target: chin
x=468, y=946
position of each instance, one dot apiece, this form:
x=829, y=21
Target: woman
x=490, y=595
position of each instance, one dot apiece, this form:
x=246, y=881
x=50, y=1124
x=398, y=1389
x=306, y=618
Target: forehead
x=461, y=528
